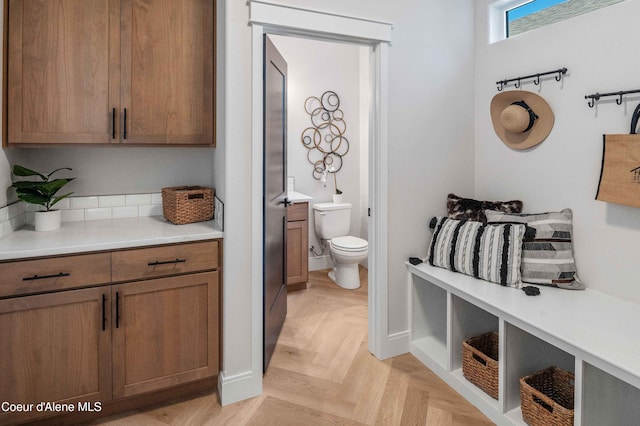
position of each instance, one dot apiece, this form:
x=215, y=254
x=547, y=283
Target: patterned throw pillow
x=547, y=259
x=467, y=208
x=488, y=252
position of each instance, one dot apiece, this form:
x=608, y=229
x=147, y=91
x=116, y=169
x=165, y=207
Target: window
x=512, y=17
x=516, y=17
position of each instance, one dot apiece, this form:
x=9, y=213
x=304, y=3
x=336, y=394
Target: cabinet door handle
x=104, y=312
x=117, y=310
x=125, y=124
x=166, y=262
x=113, y=123
x=44, y=277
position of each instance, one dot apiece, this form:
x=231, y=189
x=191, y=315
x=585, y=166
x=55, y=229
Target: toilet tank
x=332, y=219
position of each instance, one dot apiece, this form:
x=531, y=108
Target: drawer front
x=298, y=211
x=54, y=273
x=160, y=261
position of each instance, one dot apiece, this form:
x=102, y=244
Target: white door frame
x=271, y=18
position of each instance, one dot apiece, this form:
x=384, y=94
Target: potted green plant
x=42, y=192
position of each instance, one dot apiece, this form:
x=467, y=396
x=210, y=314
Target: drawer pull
x=44, y=277
x=113, y=123
x=166, y=262
x=104, y=312
x=117, y=309
x=125, y=124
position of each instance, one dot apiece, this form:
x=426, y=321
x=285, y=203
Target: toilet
x=332, y=221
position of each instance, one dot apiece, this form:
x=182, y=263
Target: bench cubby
x=607, y=399
x=588, y=333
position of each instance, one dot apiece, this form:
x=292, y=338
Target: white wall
x=600, y=49
x=315, y=67
x=119, y=170
x=431, y=144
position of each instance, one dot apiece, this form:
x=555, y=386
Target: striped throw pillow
x=488, y=252
x=548, y=258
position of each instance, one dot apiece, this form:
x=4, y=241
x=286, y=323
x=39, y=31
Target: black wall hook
x=596, y=96
x=518, y=80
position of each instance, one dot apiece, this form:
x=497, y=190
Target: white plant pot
x=337, y=198
x=48, y=221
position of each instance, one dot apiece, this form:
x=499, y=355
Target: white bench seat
x=592, y=334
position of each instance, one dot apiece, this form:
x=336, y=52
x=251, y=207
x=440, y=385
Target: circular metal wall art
x=325, y=139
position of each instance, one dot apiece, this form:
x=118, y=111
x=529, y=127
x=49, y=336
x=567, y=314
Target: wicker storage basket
x=547, y=397
x=480, y=362
x=187, y=204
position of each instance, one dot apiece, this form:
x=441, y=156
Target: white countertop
x=297, y=197
x=75, y=237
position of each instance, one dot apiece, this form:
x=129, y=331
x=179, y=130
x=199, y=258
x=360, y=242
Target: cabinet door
x=168, y=72
x=165, y=332
x=297, y=257
x=63, y=71
x=55, y=347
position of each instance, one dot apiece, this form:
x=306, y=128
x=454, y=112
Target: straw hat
x=521, y=119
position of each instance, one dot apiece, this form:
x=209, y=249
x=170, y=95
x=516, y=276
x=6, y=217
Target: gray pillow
x=548, y=258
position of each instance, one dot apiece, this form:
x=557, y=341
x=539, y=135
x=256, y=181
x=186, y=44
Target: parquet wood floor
x=322, y=374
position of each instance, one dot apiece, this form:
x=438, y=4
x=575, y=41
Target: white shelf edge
x=457, y=374
x=515, y=417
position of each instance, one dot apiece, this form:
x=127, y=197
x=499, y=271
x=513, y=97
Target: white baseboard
x=238, y=387
x=320, y=262
x=396, y=344
x=325, y=262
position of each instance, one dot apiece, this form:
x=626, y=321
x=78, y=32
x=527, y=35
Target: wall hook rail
x=592, y=99
x=518, y=80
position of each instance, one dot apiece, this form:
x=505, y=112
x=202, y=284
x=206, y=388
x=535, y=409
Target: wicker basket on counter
x=480, y=362
x=547, y=397
x=187, y=204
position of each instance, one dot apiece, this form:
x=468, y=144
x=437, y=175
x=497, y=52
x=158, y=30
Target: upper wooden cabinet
x=111, y=71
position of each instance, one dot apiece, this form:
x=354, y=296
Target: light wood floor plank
x=322, y=373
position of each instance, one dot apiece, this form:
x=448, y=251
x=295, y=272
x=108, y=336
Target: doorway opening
x=270, y=18
x=327, y=120
x=328, y=154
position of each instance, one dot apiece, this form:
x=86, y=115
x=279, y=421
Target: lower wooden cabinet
x=55, y=348
x=297, y=243
x=165, y=332
x=113, y=340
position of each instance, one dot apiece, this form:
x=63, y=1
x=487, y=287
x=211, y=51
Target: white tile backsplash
x=16, y=209
x=111, y=201
x=74, y=215
x=84, y=202
x=124, y=212
x=63, y=204
x=5, y=228
x=138, y=199
x=78, y=209
x=97, y=214
x=150, y=210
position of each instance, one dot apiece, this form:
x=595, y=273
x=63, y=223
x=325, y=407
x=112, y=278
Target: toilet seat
x=349, y=244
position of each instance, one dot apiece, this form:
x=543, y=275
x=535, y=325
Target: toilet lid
x=349, y=243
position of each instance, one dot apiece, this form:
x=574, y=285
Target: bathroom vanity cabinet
x=297, y=243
